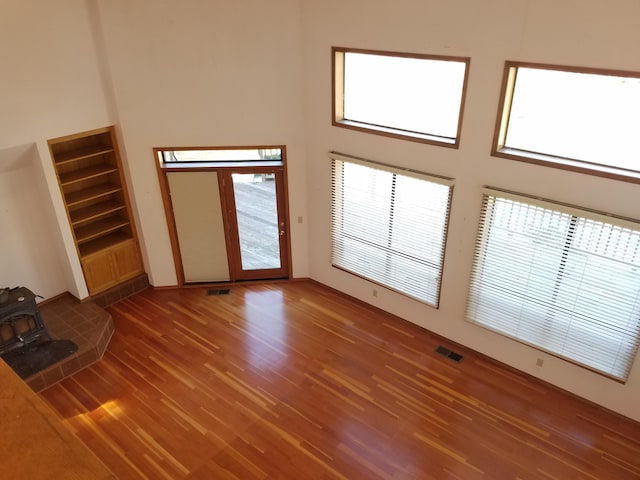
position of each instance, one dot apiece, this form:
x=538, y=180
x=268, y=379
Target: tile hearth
x=86, y=324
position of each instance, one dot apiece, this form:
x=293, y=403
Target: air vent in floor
x=218, y=291
x=456, y=357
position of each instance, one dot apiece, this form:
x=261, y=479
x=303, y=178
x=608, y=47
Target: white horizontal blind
x=389, y=226
x=558, y=278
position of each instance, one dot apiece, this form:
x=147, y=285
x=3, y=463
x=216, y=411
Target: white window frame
x=388, y=128
x=374, y=231
x=600, y=166
x=562, y=279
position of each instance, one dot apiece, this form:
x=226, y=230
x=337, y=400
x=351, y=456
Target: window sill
x=397, y=133
x=567, y=164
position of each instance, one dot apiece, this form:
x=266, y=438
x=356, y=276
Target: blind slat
x=407, y=172
x=389, y=225
x=560, y=279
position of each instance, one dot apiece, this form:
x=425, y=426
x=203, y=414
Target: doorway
x=257, y=226
x=227, y=212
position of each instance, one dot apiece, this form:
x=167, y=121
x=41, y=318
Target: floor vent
x=456, y=357
x=218, y=291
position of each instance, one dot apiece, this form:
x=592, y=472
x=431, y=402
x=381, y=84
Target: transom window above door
x=403, y=95
x=270, y=156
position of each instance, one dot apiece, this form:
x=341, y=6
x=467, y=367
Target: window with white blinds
x=389, y=225
x=559, y=278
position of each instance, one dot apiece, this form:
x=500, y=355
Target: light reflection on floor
x=266, y=333
x=111, y=407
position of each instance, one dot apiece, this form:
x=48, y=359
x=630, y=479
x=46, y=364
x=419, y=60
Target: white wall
x=50, y=87
x=29, y=241
x=569, y=32
x=205, y=73
x=229, y=72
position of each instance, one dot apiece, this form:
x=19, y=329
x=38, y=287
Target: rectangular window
x=559, y=278
x=409, y=96
x=180, y=158
x=579, y=119
x=389, y=225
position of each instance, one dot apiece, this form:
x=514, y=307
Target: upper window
x=580, y=119
x=389, y=225
x=219, y=157
x=415, y=97
x=559, y=278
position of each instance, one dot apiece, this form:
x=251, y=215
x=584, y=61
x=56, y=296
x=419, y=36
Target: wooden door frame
x=162, y=172
x=236, y=271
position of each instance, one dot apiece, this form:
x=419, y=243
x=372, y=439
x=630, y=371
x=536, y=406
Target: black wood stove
x=25, y=343
x=20, y=320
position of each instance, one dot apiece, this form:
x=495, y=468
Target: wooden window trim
x=488, y=249
x=162, y=169
x=498, y=148
x=337, y=98
x=350, y=259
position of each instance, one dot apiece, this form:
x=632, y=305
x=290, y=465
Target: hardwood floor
x=294, y=381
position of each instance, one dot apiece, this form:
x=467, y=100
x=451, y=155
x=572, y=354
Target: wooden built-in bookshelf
x=89, y=171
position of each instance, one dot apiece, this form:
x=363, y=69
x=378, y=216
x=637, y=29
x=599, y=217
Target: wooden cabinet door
x=126, y=260
x=99, y=272
x=111, y=266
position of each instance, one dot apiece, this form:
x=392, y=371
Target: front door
x=228, y=213
x=256, y=219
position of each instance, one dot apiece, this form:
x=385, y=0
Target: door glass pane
x=255, y=156
x=257, y=212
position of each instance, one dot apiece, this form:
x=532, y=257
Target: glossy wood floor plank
x=294, y=381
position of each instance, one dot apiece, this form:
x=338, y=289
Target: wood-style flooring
x=295, y=381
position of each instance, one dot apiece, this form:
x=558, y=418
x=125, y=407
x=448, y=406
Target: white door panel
x=199, y=223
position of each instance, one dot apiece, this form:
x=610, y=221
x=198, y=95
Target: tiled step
x=86, y=324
